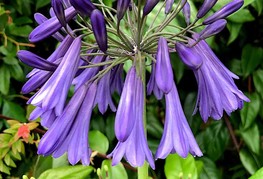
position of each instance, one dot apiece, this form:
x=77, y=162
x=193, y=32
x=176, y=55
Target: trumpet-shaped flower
x=54, y=92
x=177, y=136
x=134, y=148
x=69, y=132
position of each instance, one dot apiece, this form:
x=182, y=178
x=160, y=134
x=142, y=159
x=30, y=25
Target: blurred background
x=232, y=146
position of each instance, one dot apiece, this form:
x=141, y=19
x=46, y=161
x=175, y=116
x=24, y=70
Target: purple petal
x=206, y=6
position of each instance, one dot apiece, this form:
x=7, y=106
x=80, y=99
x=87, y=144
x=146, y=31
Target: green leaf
x=16, y=72
x=235, y=66
x=21, y=31
x=241, y=16
x=98, y=141
x=41, y=3
x=234, y=29
x=4, y=168
x=177, y=167
x=258, y=81
x=258, y=174
x=4, y=79
x=68, y=172
x=250, y=110
x=14, y=111
x=117, y=171
x=61, y=161
x=258, y=5
x=213, y=140
x=210, y=170
x=251, y=58
x=22, y=20
x=9, y=161
x=248, y=161
x=3, y=20
x=43, y=164
x=251, y=137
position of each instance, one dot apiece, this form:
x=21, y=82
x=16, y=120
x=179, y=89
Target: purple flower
x=152, y=86
x=216, y=88
x=47, y=117
x=35, y=61
x=168, y=6
x=103, y=96
x=59, y=11
x=54, y=92
x=40, y=18
x=99, y=29
x=134, y=148
x=177, y=136
x=188, y=56
x=69, y=132
x=164, y=71
x=213, y=29
x=122, y=6
x=225, y=11
x=149, y=5
x=117, y=79
x=206, y=6
x=84, y=7
x=50, y=26
x=88, y=73
x=187, y=12
x=124, y=120
x=36, y=81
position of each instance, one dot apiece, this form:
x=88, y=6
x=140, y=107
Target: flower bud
x=168, y=6
x=225, y=11
x=206, y=6
x=150, y=4
x=99, y=29
x=59, y=11
x=187, y=13
x=84, y=7
x=122, y=6
x=189, y=56
x=213, y=29
x=35, y=61
x=164, y=72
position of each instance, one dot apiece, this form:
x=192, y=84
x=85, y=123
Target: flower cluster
x=91, y=57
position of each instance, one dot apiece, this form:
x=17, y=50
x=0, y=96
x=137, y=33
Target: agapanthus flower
x=217, y=91
x=69, y=131
x=92, y=59
x=134, y=148
x=177, y=136
x=54, y=92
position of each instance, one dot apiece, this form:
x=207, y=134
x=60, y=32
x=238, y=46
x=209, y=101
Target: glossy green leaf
x=258, y=81
x=68, y=172
x=251, y=58
x=4, y=79
x=258, y=174
x=21, y=31
x=210, y=170
x=213, y=140
x=8, y=161
x=251, y=137
x=117, y=171
x=4, y=168
x=3, y=20
x=234, y=29
x=248, y=161
x=235, y=67
x=42, y=3
x=14, y=111
x=250, y=110
x=17, y=72
x=177, y=167
x=43, y=164
x=258, y=5
x=98, y=141
x=241, y=16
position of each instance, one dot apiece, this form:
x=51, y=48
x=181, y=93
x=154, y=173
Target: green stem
x=143, y=170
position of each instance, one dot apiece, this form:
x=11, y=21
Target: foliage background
x=232, y=146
